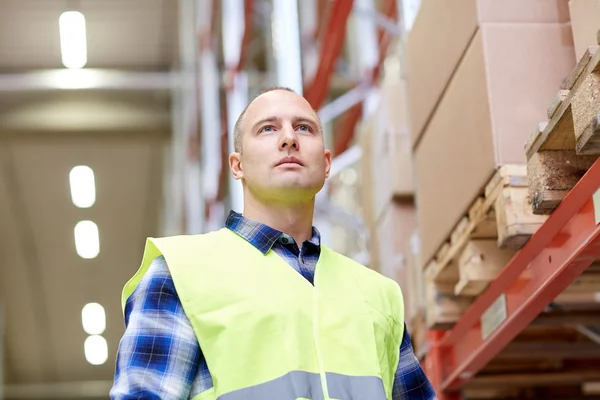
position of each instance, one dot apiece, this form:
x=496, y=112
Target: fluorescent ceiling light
x=83, y=186
x=87, y=239
x=73, y=42
x=93, y=318
x=96, y=350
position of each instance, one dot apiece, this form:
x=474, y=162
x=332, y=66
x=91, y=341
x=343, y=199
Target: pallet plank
x=589, y=141
x=536, y=133
x=486, y=228
x=579, y=68
x=585, y=106
x=559, y=134
x=479, y=263
x=482, y=217
x=552, y=174
x=561, y=95
x=459, y=231
x=443, y=309
x=515, y=218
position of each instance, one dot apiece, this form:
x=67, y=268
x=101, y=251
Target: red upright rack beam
x=352, y=117
x=564, y=246
x=331, y=47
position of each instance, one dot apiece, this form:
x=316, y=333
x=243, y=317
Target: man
x=260, y=309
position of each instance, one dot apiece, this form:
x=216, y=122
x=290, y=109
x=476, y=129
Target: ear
x=327, y=162
x=235, y=166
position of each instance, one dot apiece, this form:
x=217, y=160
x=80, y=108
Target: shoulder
x=155, y=290
x=157, y=272
x=205, y=241
x=162, y=255
x=156, y=279
x=185, y=239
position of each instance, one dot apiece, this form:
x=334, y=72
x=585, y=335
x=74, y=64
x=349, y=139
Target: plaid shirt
x=159, y=356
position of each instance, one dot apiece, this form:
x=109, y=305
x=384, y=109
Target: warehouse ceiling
x=132, y=34
x=122, y=136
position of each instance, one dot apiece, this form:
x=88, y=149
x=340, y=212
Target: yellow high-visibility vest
x=268, y=333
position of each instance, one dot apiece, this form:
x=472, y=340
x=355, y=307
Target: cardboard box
x=393, y=231
x=396, y=147
x=374, y=195
x=501, y=88
x=402, y=171
x=412, y=280
x=393, y=102
x=367, y=196
x=441, y=34
x=585, y=21
x=392, y=170
x=387, y=149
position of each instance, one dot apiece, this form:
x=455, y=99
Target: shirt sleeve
x=410, y=382
x=159, y=355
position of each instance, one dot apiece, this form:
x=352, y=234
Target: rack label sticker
x=596, y=201
x=493, y=317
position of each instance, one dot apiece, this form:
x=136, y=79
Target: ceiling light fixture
x=93, y=319
x=83, y=186
x=96, y=350
x=73, y=42
x=87, y=239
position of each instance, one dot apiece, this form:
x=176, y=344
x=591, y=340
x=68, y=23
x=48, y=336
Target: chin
x=300, y=188
x=296, y=182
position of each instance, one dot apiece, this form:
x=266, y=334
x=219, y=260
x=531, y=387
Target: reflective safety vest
x=268, y=333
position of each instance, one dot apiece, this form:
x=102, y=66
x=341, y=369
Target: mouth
x=290, y=160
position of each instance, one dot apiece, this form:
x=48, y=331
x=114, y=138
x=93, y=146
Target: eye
x=267, y=128
x=304, y=128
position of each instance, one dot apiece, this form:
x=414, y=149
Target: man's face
x=283, y=155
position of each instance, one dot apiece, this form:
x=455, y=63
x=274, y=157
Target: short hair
x=237, y=129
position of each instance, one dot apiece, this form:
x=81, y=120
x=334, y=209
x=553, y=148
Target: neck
x=294, y=220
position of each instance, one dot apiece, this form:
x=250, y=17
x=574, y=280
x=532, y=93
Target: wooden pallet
x=476, y=253
x=497, y=224
x=562, y=149
x=517, y=198
x=503, y=214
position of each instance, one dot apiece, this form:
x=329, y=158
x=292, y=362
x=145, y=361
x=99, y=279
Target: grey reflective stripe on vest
x=300, y=384
x=355, y=387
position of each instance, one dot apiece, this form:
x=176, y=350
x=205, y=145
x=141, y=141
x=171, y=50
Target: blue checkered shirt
x=159, y=356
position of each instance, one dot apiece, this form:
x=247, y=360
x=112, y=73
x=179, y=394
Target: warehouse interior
x=465, y=136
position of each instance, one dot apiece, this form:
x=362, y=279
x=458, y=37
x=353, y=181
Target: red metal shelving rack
x=564, y=246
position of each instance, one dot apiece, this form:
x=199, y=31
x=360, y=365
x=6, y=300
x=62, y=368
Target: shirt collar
x=261, y=236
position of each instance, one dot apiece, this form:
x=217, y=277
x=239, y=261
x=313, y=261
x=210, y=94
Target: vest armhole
x=397, y=297
x=151, y=252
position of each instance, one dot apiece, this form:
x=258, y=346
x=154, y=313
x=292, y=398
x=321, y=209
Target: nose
x=289, y=139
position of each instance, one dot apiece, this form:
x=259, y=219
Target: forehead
x=280, y=104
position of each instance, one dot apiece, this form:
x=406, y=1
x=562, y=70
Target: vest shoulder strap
x=208, y=243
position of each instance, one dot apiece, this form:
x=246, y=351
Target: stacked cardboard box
x=388, y=188
x=480, y=73
x=414, y=291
